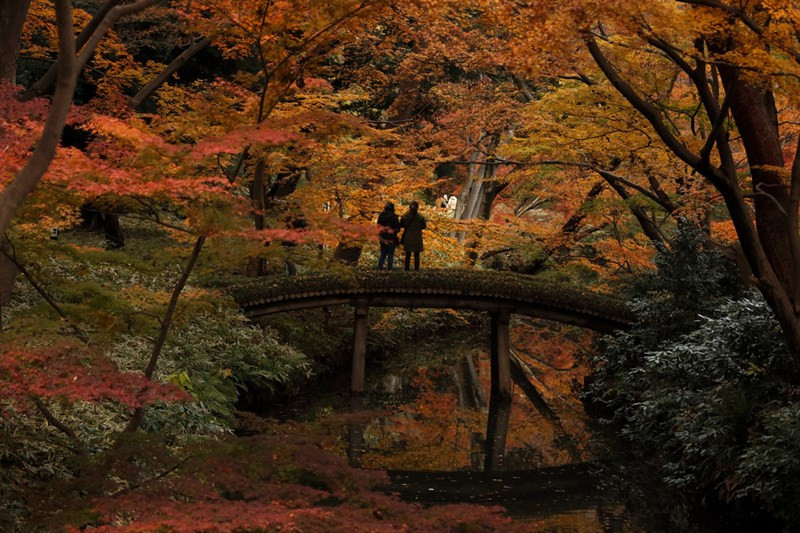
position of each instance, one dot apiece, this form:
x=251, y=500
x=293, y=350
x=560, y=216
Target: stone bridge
x=501, y=294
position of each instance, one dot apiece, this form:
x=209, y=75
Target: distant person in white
x=452, y=202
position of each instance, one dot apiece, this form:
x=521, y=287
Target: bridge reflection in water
x=493, y=445
x=570, y=492
x=501, y=295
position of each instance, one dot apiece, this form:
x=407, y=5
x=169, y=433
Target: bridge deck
x=456, y=289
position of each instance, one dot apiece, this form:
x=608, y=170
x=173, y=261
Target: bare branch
x=59, y=425
x=43, y=293
x=166, y=323
x=168, y=71
x=760, y=192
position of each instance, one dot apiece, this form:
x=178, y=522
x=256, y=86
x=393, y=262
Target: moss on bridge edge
x=485, y=283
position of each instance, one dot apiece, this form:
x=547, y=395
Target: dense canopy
x=156, y=153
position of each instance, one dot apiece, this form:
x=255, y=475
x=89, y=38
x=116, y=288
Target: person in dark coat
x=389, y=228
x=413, y=224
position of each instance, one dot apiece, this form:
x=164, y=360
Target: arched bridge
x=499, y=293
x=478, y=290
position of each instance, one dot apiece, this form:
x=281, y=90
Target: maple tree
x=703, y=53
x=242, y=138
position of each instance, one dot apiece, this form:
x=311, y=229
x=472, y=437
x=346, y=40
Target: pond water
x=428, y=419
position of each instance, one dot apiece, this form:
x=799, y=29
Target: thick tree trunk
x=490, y=190
x=347, y=253
x=112, y=231
x=479, y=192
x=767, y=244
x=753, y=109
x=12, y=19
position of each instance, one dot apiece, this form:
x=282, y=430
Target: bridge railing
x=474, y=283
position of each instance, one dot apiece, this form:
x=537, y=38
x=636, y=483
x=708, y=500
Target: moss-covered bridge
x=499, y=293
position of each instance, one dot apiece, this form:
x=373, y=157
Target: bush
x=700, y=387
x=215, y=358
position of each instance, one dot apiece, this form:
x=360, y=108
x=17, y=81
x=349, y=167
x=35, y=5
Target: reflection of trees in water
x=435, y=424
x=442, y=420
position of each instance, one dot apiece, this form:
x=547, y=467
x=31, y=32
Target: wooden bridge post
x=360, y=328
x=501, y=356
x=496, y=433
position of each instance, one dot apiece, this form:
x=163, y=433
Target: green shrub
x=701, y=387
x=215, y=357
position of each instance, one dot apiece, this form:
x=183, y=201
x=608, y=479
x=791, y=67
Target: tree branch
x=166, y=323
x=59, y=425
x=168, y=71
x=116, y=13
x=46, y=81
x=761, y=193
x=43, y=293
x=652, y=115
x=26, y=179
x=748, y=21
x=715, y=135
x=610, y=176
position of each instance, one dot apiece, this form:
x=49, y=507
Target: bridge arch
x=479, y=290
x=501, y=294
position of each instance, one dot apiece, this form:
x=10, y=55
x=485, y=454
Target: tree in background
x=734, y=63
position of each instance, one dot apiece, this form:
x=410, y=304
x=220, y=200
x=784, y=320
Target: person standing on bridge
x=389, y=226
x=413, y=224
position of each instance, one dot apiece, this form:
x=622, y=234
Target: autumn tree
x=737, y=61
x=71, y=61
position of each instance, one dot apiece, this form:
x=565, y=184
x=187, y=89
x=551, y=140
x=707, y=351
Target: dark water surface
x=427, y=418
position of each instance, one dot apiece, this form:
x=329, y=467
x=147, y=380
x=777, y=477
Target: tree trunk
x=166, y=324
x=347, y=253
x=258, y=265
x=8, y=277
x=27, y=178
x=44, y=83
x=68, y=68
x=112, y=231
x=753, y=109
x=767, y=243
x=12, y=19
x=489, y=192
